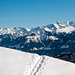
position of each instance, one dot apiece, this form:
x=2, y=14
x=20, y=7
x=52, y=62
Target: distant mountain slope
x=13, y=62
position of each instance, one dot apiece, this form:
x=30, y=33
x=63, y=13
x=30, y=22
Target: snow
x=65, y=46
x=53, y=66
x=40, y=33
x=58, y=27
x=48, y=48
x=28, y=41
x=66, y=29
x=15, y=32
x=53, y=38
x=14, y=62
x=22, y=46
x=17, y=46
x=34, y=48
x=27, y=29
x=67, y=23
x=32, y=38
x=47, y=29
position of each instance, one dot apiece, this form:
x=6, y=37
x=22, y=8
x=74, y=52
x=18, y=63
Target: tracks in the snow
x=32, y=70
x=37, y=65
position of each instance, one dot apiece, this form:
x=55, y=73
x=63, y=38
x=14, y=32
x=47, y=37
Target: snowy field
x=13, y=62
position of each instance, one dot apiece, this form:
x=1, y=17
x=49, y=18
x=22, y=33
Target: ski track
x=37, y=65
x=32, y=70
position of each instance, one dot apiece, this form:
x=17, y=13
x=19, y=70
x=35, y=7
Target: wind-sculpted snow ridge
x=13, y=62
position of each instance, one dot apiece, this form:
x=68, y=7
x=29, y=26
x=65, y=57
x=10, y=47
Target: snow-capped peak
x=58, y=27
x=67, y=23
x=72, y=23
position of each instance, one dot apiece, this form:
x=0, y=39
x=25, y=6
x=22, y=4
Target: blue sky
x=33, y=13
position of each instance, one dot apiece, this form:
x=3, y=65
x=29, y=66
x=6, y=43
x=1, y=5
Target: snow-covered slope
x=54, y=66
x=13, y=62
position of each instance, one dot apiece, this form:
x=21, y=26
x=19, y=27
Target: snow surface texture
x=13, y=62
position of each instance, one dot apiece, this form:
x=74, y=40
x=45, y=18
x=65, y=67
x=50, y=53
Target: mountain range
x=52, y=40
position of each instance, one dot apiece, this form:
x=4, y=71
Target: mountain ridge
x=53, y=39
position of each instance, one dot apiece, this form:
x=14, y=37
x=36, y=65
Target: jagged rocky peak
x=67, y=23
x=38, y=27
x=59, y=23
x=53, y=28
x=3, y=28
x=15, y=28
x=56, y=25
x=72, y=23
